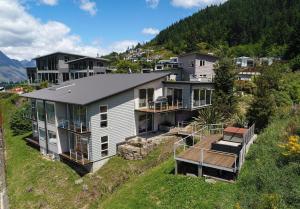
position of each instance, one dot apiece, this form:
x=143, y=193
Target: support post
x=176, y=167
x=199, y=170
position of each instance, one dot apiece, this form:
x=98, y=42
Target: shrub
x=18, y=123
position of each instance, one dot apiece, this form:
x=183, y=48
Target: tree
x=294, y=43
x=19, y=125
x=224, y=99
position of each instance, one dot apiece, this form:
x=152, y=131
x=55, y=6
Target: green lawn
x=267, y=180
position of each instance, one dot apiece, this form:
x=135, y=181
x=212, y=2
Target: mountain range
x=13, y=70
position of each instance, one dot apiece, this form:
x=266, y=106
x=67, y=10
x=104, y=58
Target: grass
x=35, y=182
x=267, y=180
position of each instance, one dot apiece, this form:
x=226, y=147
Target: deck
x=168, y=108
x=201, y=154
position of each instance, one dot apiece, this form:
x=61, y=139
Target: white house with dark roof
x=82, y=121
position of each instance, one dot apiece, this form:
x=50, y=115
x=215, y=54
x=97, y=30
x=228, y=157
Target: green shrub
x=20, y=125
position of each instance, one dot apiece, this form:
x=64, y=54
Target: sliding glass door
x=145, y=122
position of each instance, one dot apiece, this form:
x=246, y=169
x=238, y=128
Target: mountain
x=11, y=70
x=253, y=27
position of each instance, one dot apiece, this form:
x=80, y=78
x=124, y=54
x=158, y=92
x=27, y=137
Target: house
x=197, y=66
x=248, y=74
x=167, y=64
x=59, y=67
x=243, y=62
x=82, y=121
x=31, y=74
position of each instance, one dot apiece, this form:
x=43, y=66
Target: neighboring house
x=172, y=63
x=31, y=74
x=244, y=62
x=198, y=67
x=248, y=74
x=59, y=67
x=83, y=121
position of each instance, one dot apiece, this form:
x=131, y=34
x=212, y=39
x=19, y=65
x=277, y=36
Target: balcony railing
x=74, y=126
x=208, y=78
x=29, y=116
x=160, y=106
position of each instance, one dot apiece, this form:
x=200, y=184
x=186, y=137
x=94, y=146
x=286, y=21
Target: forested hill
x=265, y=25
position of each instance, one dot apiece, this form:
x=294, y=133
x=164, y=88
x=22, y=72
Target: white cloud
x=49, y=2
x=89, y=6
x=150, y=31
x=152, y=3
x=121, y=46
x=194, y=3
x=23, y=37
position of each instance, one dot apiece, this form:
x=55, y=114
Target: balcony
x=74, y=126
x=76, y=157
x=160, y=105
x=202, y=79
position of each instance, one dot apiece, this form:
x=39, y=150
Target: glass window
x=196, y=102
x=208, y=97
x=142, y=97
x=41, y=110
x=50, y=113
x=52, y=137
x=42, y=133
x=104, y=146
x=202, y=97
x=103, y=116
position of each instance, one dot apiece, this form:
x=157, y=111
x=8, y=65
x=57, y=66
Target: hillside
x=264, y=27
x=12, y=70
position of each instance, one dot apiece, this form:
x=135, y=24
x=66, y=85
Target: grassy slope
x=35, y=182
x=265, y=182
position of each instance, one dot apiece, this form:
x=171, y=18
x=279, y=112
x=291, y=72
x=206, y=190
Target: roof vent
x=69, y=91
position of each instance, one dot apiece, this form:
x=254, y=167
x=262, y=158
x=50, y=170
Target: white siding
x=121, y=123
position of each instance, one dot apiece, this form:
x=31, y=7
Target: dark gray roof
x=65, y=53
x=83, y=58
x=90, y=89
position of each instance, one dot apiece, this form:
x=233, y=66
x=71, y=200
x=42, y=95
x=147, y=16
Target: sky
x=29, y=28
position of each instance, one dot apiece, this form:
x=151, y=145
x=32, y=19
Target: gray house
x=82, y=121
x=59, y=67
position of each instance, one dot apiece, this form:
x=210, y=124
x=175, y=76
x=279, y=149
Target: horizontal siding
x=121, y=123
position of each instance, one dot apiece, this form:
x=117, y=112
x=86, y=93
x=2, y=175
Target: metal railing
x=248, y=135
x=76, y=126
x=209, y=78
x=77, y=156
x=189, y=142
x=156, y=106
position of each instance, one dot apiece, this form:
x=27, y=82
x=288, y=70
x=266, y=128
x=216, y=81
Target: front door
x=145, y=122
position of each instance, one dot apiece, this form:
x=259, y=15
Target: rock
x=85, y=188
x=79, y=181
x=210, y=181
x=29, y=189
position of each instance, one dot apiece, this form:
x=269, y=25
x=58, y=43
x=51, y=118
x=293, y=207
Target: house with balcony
x=82, y=121
x=59, y=67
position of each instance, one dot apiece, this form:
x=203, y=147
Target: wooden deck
x=211, y=158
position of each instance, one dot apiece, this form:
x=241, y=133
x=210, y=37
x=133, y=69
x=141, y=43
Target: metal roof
x=90, y=89
x=66, y=53
x=83, y=58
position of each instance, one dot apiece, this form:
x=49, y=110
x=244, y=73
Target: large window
x=104, y=146
x=145, y=96
x=103, y=116
x=174, y=96
x=50, y=111
x=41, y=110
x=202, y=97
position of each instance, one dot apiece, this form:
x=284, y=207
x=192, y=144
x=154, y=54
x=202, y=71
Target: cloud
x=89, y=6
x=23, y=37
x=49, y=2
x=187, y=4
x=150, y=31
x=152, y=3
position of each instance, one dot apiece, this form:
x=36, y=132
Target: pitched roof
x=90, y=89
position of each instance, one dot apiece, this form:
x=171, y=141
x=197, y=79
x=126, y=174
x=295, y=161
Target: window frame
x=104, y=143
x=101, y=114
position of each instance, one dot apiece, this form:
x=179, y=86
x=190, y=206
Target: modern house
x=243, y=62
x=167, y=64
x=59, y=67
x=248, y=74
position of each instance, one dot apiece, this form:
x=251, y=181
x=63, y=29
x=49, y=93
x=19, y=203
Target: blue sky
x=29, y=28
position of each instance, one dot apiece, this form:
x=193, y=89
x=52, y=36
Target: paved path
x=3, y=191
